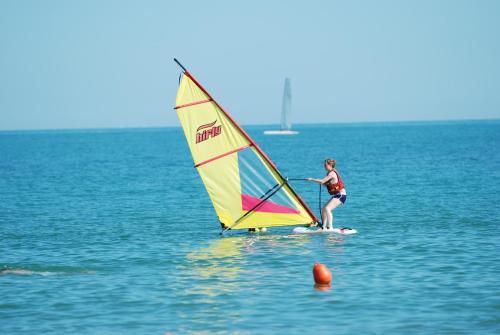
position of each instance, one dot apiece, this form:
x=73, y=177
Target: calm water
x=111, y=232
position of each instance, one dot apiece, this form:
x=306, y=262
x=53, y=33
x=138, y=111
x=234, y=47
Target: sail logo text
x=206, y=131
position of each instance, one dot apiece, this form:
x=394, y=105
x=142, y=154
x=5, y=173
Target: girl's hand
x=310, y=179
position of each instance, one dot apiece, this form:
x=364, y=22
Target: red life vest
x=334, y=188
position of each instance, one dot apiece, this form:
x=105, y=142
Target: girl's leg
x=330, y=206
x=324, y=217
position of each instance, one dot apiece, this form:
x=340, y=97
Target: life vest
x=334, y=188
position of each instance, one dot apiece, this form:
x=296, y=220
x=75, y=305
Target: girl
x=335, y=187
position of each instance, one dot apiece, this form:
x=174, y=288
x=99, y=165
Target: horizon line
x=247, y=124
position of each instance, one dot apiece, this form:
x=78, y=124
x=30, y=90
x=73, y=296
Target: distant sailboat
x=286, y=108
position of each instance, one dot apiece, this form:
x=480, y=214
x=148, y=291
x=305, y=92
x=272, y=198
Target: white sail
x=286, y=109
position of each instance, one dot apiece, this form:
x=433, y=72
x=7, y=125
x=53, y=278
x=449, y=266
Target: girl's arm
x=321, y=181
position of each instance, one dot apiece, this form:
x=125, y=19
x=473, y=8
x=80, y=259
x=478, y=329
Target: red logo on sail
x=206, y=131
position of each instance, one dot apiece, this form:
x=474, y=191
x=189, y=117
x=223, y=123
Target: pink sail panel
x=248, y=202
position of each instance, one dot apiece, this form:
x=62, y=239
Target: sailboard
x=286, y=109
x=244, y=185
x=341, y=231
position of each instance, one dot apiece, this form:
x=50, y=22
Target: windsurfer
x=335, y=187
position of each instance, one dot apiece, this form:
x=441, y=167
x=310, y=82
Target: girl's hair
x=330, y=161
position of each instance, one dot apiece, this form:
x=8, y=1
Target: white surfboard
x=341, y=231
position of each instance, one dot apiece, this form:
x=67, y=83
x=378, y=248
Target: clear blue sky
x=79, y=64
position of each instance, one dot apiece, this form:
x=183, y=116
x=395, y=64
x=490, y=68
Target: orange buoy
x=322, y=276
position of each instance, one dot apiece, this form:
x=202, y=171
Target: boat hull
x=280, y=132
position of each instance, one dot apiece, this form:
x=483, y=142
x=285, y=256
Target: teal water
x=111, y=232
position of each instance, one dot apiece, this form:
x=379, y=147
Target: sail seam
x=193, y=103
x=222, y=155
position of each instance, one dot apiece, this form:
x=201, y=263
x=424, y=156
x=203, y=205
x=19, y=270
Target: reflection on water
x=334, y=244
x=220, y=267
x=223, y=258
x=220, y=259
x=322, y=288
x=222, y=262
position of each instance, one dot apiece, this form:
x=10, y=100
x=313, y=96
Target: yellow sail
x=246, y=189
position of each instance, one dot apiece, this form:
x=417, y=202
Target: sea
x=110, y=231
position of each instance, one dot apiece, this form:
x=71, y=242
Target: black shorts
x=341, y=197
